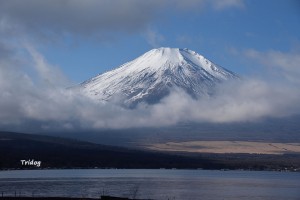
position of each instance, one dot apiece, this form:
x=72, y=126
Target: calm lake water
x=153, y=184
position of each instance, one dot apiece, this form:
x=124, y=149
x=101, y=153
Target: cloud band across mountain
x=40, y=104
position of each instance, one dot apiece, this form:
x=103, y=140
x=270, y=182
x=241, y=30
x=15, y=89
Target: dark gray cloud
x=76, y=16
x=5, y=51
x=95, y=18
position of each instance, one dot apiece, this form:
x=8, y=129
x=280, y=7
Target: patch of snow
x=156, y=70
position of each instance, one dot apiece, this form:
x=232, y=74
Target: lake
x=160, y=184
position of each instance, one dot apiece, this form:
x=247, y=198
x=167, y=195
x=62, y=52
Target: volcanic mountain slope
x=151, y=76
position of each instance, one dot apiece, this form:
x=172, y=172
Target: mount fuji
x=154, y=74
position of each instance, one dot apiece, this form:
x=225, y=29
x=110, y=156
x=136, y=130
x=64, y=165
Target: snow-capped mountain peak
x=151, y=76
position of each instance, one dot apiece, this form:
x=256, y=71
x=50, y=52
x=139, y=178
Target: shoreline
x=168, y=169
x=102, y=197
x=65, y=198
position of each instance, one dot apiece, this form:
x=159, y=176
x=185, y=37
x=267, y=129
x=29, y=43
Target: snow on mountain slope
x=150, y=77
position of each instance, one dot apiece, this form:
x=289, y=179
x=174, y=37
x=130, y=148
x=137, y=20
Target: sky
x=46, y=46
x=85, y=39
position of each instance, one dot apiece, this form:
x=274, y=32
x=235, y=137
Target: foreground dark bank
x=63, y=198
x=55, y=152
x=43, y=198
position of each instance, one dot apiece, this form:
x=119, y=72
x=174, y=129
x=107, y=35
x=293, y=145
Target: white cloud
x=153, y=38
x=225, y=4
x=193, y=5
x=286, y=63
x=184, y=39
x=189, y=4
x=27, y=105
x=248, y=100
x=50, y=74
